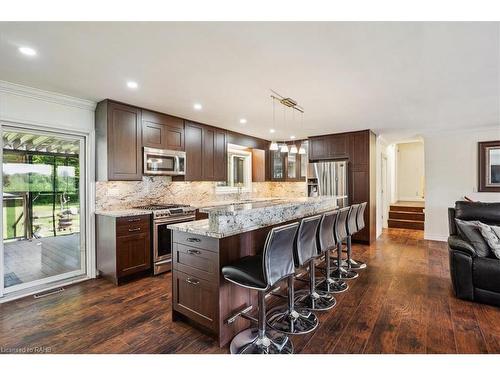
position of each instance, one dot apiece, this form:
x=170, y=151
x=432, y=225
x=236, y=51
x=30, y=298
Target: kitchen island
x=201, y=296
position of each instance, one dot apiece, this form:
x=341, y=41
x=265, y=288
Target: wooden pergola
x=39, y=143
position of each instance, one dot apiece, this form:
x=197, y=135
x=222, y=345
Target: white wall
x=30, y=107
x=410, y=171
x=451, y=173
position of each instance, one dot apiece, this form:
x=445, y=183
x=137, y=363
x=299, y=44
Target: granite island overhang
x=201, y=296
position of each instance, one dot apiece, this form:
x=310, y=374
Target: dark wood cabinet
x=123, y=246
x=220, y=155
x=118, y=142
x=358, y=148
x=194, y=147
x=195, y=275
x=162, y=131
x=206, y=153
x=285, y=166
x=335, y=146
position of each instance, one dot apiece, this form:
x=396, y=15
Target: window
x=239, y=171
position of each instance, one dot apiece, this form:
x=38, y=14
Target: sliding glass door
x=43, y=206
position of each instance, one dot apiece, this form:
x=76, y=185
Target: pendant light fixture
x=284, y=146
x=273, y=146
x=302, y=150
x=293, y=105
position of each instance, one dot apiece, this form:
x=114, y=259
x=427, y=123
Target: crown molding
x=47, y=96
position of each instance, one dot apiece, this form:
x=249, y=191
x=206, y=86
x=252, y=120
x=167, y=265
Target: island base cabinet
x=196, y=299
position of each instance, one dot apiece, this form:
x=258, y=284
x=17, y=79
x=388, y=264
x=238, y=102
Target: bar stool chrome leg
x=341, y=272
x=312, y=299
x=351, y=263
x=329, y=284
x=289, y=319
x=259, y=340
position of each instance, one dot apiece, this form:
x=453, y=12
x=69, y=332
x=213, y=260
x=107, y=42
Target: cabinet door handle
x=132, y=220
x=192, y=239
x=134, y=230
x=192, y=251
x=192, y=281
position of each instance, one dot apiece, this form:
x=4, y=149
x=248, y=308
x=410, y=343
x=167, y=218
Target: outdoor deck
x=27, y=260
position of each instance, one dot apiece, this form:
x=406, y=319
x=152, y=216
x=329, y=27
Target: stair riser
x=406, y=224
x=416, y=216
x=406, y=209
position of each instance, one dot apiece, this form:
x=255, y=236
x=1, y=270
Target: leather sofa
x=474, y=278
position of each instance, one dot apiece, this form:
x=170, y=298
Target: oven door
x=162, y=242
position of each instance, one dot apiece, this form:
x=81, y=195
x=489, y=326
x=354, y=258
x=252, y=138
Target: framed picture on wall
x=489, y=166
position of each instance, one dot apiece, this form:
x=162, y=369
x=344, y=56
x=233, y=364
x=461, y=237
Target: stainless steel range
x=164, y=215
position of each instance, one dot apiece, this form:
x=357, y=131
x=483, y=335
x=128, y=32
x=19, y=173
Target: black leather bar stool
x=326, y=243
x=289, y=318
x=341, y=235
x=305, y=253
x=360, y=222
x=261, y=272
x=352, y=229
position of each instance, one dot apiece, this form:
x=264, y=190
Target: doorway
x=43, y=208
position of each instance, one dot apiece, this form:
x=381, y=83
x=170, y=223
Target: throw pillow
x=491, y=234
x=469, y=231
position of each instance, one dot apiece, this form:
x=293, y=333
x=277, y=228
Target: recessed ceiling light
x=292, y=137
x=27, y=51
x=243, y=120
x=132, y=85
x=271, y=130
x=197, y=106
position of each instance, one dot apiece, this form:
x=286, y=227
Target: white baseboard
x=435, y=237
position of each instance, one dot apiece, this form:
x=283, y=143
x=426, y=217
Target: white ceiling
x=395, y=78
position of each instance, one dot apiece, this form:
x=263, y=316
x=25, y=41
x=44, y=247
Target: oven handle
x=173, y=220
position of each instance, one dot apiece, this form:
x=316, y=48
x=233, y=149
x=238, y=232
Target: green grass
x=42, y=216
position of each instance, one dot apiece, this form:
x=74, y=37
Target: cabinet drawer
x=132, y=224
x=195, y=240
x=195, y=298
x=197, y=262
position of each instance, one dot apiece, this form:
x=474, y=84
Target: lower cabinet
x=195, y=278
x=123, y=246
x=196, y=298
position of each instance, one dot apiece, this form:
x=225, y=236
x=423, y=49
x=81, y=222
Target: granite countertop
x=124, y=212
x=236, y=208
x=228, y=220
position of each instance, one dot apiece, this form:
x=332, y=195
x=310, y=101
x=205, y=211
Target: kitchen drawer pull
x=134, y=230
x=192, y=281
x=192, y=251
x=132, y=220
x=192, y=239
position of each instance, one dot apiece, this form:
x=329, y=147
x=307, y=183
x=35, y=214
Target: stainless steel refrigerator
x=328, y=178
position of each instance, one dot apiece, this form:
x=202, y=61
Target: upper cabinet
x=329, y=147
x=285, y=166
x=206, y=153
x=118, y=142
x=162, y=131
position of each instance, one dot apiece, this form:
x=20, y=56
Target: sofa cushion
x=491, y=235
x=486, y=274
x=488, y=213
x=469, y=231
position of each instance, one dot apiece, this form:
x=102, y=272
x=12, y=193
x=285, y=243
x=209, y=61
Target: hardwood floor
x=402, y=303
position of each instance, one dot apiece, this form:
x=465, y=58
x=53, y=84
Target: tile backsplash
x=116, y=195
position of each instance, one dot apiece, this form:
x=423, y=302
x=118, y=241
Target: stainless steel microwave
x=164, y=162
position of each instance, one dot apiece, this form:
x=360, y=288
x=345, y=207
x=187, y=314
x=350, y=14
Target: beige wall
x=451, y=173
x=410, y=171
